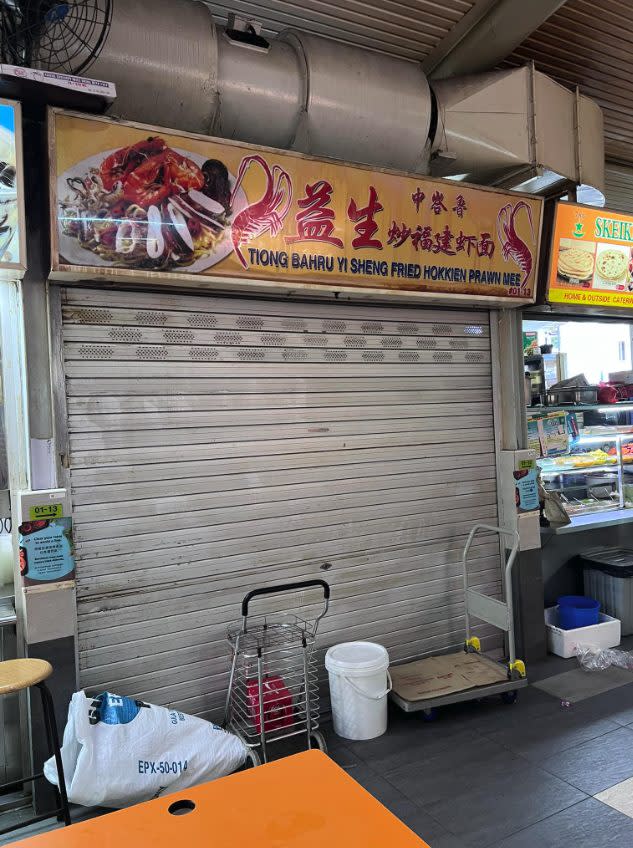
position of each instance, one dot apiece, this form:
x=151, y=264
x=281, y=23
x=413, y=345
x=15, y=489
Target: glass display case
x=585, y=455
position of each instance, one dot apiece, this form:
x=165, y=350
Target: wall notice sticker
x=591, y=257
x=46, y=551
x=133, y=203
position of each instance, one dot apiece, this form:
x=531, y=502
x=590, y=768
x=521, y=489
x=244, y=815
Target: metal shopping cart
x=273, y=687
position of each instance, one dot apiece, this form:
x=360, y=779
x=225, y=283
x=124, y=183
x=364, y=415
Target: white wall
x=595, y=348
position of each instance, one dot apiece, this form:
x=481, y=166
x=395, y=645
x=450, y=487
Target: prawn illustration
x=266, y=214
x=512, y=246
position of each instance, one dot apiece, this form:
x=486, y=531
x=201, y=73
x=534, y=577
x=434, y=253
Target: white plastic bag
x=599, y=659
x=118, y=751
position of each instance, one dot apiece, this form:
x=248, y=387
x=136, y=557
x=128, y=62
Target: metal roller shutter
x=219, y=444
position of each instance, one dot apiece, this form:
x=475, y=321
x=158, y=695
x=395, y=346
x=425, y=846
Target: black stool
x=16, y=675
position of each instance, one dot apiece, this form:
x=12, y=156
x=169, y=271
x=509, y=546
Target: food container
x=578, y=395
x=602, y=487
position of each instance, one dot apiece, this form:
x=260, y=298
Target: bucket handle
x=365, y=694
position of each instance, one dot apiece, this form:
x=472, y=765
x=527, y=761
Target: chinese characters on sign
x=365, y=225
x=315, y=219
x=179, y=205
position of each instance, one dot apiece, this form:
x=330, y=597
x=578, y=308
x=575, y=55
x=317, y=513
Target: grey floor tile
x=344, y=756
x=493, y=809
x=381, y=789
x=550, y=666
x=616, y=705
x=596, y=765
x=538, y=737
x=412, y=741
x=425, y=826
x=454, y=771
x=492, y=714
x=578, y=684
x=589, y=824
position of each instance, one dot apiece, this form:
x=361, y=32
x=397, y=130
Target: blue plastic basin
x=577, y=611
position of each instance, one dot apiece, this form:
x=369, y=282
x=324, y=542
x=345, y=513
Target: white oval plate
x=71, y=251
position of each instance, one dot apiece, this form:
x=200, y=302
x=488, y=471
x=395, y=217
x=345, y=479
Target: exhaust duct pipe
x=517, y=129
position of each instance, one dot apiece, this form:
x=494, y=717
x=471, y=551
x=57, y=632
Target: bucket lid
x=359, y=657
x=614, y=562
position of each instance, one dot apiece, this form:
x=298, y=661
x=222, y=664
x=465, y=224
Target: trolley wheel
x=254, y=757
x=430, y=714
x=318, y=737
x=510, y=697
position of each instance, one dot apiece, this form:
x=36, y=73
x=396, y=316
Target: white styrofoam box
x=605, y=634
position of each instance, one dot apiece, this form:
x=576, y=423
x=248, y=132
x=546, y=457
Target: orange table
x=305, y=801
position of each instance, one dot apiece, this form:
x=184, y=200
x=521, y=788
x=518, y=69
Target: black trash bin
x=608, y=577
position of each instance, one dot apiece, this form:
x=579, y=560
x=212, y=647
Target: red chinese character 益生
x=398, y=235
x=444, y=242
x=460, y=206
x=417, y=197
x=464, y=242
x=422, y=238
x=485, y=245
x=437, y=202
x=366, y=227
x=315, y=221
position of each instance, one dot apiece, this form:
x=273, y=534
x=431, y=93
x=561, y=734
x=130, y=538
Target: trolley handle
x=500, y=531
x=285, y=587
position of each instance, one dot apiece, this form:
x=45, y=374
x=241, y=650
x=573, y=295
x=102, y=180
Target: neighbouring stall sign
x=12, y=229
x=591, y=257
x=131, y=201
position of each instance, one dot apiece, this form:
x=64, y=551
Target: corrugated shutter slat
x=357, y=436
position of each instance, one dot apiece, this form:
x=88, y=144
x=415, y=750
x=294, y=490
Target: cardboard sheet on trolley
x=435, y=677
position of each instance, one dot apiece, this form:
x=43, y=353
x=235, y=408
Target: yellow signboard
x=591, y=258
x=135, y=202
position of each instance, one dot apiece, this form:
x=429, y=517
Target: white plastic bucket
x=359, y=685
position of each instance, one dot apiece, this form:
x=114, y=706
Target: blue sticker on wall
x=46, y=551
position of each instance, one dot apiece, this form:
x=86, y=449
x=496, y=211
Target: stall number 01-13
x=42, y=511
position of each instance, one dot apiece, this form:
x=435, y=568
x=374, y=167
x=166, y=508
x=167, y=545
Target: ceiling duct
x=162, y=56
x=517, y=129
x=361, y=106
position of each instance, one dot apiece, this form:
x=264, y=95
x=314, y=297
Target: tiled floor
x=537, y=774
x=488, y=774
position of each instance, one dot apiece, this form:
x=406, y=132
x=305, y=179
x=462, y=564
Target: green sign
x=44, y=511
x=530, y=342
